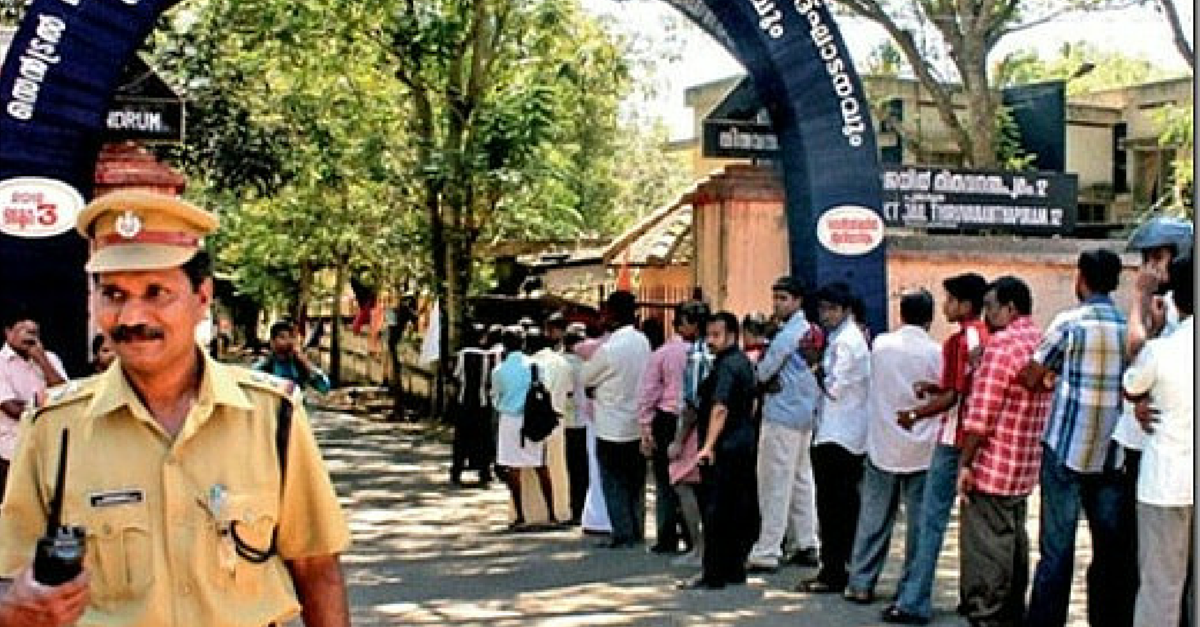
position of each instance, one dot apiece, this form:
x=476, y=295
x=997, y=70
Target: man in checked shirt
x=1001, y=455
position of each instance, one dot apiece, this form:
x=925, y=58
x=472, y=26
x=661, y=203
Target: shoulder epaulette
x=266, y=381
x=64, y=394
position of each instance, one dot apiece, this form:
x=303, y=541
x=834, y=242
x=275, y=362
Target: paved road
x=428, y=554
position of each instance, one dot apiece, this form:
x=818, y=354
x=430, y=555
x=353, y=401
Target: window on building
x=1093, y=213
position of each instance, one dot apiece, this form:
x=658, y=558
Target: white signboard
x=35, y=207
x=850, y=230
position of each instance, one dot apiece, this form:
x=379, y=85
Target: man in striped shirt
x=1084, y=351
x=1001, y=455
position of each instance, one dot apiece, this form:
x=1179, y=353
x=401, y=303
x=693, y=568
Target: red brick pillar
x=128, y=165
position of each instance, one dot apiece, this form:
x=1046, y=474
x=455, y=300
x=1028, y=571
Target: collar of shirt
x=8, y=354
x=547, y=354
x=217, y=387
x=913, y=330
x=675, y=340
x=835, y=332
x=1019, y=324
x=1098, y=299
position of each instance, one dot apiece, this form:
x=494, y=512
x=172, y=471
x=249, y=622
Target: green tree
x=1177, y=124
x=507, y=97
x=1084, y=66
x=291, y=142
x=1179, y=35
x=387, y=138
x=963, y=34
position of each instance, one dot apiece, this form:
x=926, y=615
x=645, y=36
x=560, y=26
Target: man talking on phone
x=288, y=361
x=26, y=370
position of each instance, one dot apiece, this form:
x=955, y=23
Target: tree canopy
x=386, y=139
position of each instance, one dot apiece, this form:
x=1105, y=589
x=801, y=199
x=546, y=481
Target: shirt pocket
x=119, y=553
x=244, y=539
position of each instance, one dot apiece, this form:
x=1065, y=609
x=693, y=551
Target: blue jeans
x=881, y=494
x=1112, y=575
x=915, y=592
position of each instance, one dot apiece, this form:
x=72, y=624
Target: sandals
x=861, y=597
x=897, y=616
x=817, y=586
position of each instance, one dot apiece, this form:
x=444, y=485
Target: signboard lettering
x=850, y=230
x=739, y=140
x=974, y=200
x=33, y=207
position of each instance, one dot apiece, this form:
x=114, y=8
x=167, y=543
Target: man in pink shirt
x=659, y=394
x=26, y=370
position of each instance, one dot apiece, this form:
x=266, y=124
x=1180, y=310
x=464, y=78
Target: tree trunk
x=303, y=292
x=1177, y=32
x=981, y=109
x=437, y=244
x=459, y=272
x=335, y=328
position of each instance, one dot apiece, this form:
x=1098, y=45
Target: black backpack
x=540, y=417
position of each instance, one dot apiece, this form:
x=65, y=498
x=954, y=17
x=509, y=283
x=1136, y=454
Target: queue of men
x=790, y=441
x=803, y=451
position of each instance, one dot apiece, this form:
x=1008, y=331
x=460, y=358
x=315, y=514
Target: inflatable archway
x=65, y=62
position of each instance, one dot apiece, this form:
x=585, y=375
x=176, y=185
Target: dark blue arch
x=823, y=164
x=64, y=64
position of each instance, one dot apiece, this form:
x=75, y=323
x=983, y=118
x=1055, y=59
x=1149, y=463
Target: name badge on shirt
x=113, y=498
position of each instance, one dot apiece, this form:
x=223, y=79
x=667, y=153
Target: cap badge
x=129, y=224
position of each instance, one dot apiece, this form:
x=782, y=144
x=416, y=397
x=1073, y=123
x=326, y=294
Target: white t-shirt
x=554, y=371
x=1164, y=368
x=1129, y=433
x=898, y=360
x=843, y=412
x=615, y=371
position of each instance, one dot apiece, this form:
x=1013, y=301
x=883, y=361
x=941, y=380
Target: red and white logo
x=850, y=230
x=36, y=207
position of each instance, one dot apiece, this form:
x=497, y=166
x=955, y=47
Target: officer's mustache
x=137, y=332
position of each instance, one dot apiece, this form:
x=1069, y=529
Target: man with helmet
x=1160, y=240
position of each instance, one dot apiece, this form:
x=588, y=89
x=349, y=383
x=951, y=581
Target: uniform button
x=172, y=460
x=107, y=529
x=185, y=589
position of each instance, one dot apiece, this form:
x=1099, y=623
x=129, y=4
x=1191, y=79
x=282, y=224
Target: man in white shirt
x=840, y=438
x=554, y=371
x=613, y=375
x=1164, y=370
x=27, y=369
x=897, y=458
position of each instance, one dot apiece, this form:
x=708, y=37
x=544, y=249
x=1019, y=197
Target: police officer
x=200, y=484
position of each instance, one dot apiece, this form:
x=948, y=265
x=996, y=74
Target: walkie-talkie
x=59, y=555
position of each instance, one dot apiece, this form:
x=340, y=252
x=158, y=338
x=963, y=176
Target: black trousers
x=577, y=468
x=623, y=479
x=731, y=518
x=474, y=447
x=669, y=527
x=837, y=473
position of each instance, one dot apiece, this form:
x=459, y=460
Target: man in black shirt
x=727, y=458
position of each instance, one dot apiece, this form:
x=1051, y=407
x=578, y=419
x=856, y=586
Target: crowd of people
x=796, y=438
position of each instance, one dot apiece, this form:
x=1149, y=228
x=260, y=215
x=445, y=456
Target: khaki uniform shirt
x=158, y=547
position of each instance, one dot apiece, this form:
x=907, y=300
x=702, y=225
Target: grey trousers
x=994, y=555
x=1164, y=554
x=882, y=493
